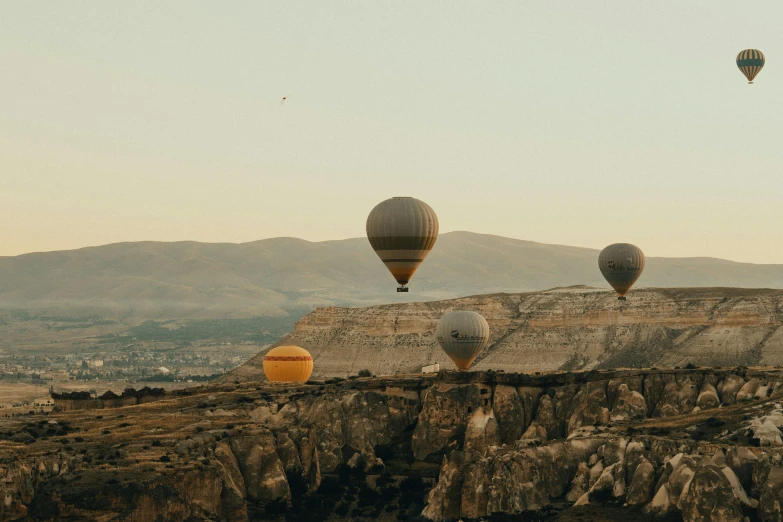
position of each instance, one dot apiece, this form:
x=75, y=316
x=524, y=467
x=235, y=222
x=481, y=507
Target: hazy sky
x=571, y=122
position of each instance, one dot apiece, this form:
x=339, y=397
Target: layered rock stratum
x=574, y=328
x=689, y=444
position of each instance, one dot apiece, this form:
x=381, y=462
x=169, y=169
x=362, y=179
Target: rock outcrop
x=575, y=328
x=446, y=446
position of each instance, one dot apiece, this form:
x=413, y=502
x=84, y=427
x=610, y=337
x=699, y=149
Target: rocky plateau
x=574, y=328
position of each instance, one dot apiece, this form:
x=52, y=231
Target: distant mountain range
x=288, y=277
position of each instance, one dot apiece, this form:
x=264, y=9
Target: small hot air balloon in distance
x=288, y=364
x=462, y=335
x=402, y=231
x=750, y=62
x=621, y=264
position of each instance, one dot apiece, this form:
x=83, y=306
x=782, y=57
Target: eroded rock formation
x=576, y=328
x=637, y=443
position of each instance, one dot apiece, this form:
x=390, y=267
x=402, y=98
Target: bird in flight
x=282, y=101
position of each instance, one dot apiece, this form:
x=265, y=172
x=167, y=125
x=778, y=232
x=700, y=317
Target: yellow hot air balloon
x=750, y=63
x=462, y=335
x=402, y=231
x=621, y=264
x=288, y=364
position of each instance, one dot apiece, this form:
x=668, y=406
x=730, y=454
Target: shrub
x=365, y=373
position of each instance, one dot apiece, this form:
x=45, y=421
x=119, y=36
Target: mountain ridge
x=285, y=276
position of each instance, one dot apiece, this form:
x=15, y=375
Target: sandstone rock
x=632, y=383
x=529, y=397
x=580, y=484
x=737, y=489
x=678, y=396
x=444, y=501
x=742, y=462
x=595, y=473
x=481, y=432
x=475, y=489
x=748, y=390
x=709, y=498
x=289, y=455
x=546, y=418
x=535, y=432
x=261, y=468
x=445, y=411
x=771, y=501
x=610, y=484
x=516, y=485
x=562, y=401
x=509, y=410
x=629, y=405
x=588, y=407
x=729, y=387
x=708, y=397
x=766, y=432
x=642, y=484
x=233, y=476
x=634, y=455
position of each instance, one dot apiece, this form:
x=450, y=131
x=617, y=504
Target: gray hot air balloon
x=621, y=264
x=462, y=335
x=402, y=231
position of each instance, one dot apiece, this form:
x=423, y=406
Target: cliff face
x=703, y=444
x=573, y=328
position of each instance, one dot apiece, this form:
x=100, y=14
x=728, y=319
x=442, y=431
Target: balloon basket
x=402, y=289
x=622, y=298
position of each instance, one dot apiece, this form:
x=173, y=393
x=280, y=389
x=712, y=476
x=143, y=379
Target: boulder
x=709, y=498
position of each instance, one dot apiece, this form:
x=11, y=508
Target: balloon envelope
x=402, y=231
x=288, y=364
x=621, y=264
x=462, y=335
x=750, y=62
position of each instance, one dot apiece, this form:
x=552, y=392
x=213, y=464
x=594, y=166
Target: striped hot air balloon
x=621, y=264
x=288, y=364
x=462, y=335
x=402, y=231
x=750, y=62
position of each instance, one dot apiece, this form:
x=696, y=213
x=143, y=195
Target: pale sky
x=571, y=122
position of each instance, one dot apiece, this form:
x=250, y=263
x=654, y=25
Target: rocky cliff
x=690, y=444
x=572, y=328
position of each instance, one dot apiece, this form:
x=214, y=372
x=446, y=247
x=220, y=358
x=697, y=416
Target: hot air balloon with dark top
x=621, y=264
x=402, y=231
x=462, y=335
x=750, y=62
x=288, y=364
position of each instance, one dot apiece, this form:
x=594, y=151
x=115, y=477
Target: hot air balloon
x=621, y=264
x=402, y=231
x=462, y=335
x=288, y=364
x=750, y=62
